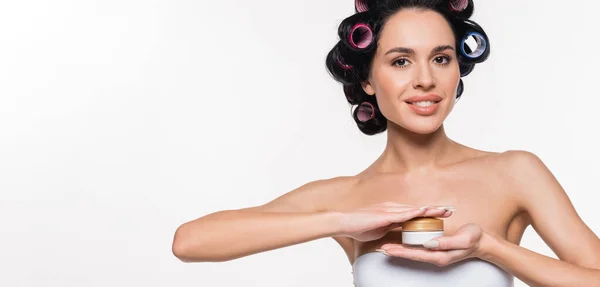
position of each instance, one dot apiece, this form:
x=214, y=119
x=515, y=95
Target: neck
x=406, y=151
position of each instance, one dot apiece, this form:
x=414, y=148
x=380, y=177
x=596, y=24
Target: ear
x=368, y=88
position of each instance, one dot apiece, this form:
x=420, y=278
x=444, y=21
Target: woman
x=401, y=64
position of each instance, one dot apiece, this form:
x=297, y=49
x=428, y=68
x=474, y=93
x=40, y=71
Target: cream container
x=421, y=229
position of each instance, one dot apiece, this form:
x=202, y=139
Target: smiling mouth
x=423, y=103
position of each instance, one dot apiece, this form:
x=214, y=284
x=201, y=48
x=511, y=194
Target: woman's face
x=415, y=57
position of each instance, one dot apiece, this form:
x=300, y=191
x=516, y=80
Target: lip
x=428, y=97
x=424, y=111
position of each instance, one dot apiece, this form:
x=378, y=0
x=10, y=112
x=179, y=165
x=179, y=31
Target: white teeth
x=424, y=104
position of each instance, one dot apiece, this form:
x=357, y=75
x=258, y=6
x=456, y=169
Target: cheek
x=391, y=83
x=447, y=80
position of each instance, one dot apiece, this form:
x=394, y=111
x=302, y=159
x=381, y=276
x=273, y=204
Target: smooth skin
x=496, y=196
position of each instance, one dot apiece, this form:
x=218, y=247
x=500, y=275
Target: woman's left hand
x=444, y=250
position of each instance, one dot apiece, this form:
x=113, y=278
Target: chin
x=422, y=126
x=424, y=130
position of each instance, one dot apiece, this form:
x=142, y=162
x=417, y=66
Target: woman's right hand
x=375, y=221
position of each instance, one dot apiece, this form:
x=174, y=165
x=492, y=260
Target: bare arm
x=299, y=216
x=293, y=218
x=228, y=235
x=556, y=221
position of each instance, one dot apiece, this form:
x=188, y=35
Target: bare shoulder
x=510, y=160
x=522, y=158
x=530, y=172
x=513, y=169
x=313, y=196
x=522, y=165
x=523, y=171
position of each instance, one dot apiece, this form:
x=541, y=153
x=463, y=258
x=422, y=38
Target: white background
x=120, y=120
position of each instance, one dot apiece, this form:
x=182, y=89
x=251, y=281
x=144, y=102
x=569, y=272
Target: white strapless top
x=378, y=270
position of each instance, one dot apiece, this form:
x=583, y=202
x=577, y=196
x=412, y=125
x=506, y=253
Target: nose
x=424, y=79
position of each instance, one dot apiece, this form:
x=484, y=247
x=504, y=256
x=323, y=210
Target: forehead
x=417, y=29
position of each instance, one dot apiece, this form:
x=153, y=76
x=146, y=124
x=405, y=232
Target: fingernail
x=447, y=208
x=424, y=207
x=431, y=244
x=382, y=251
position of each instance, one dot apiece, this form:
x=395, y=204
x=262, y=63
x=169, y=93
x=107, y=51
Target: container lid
x=423, y=224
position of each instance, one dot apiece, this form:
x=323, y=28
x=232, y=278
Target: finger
x=403, y=246
x=401, y=214
x=434, y=257
x=391, y=246
x=443, y=207
x=398, y=209
x=448, y=213
x=437, y=213
x=396, y=217
x=394, y=204
x=456, y=242
x=389, y=208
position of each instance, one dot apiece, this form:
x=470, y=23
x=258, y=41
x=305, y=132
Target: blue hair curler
x=481, y=45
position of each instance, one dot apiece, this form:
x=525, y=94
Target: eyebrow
x=437, y=49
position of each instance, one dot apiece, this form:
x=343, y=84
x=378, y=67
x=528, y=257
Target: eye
x=442, y=60
x=400, y=63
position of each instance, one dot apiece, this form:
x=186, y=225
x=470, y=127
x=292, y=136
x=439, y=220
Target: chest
x=477, y=198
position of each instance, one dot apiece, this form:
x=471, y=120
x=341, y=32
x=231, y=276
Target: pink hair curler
x=361, y=36
x=366, y=112
x=458, y=5
x=361, y=5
